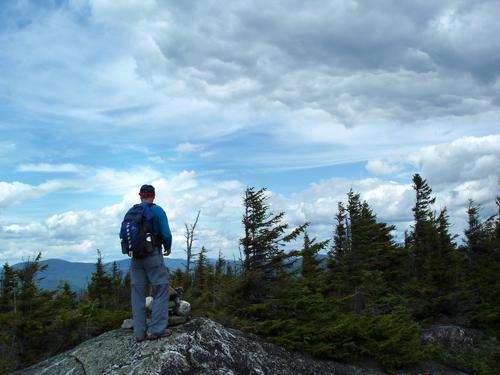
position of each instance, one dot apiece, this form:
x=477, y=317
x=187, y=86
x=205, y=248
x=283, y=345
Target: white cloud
x=185, y=148
x=391, y=201
x=50, y=168
x=156, y=159
x=17, y=192
x=118, y=181
x=181, y=195
x=86, y=179
x=463, y=159
x=466, y=168
x=75, y=234
x=382, y=167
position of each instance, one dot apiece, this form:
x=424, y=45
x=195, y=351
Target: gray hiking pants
x=143, y=272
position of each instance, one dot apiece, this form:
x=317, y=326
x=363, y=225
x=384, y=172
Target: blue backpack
x=137, y=231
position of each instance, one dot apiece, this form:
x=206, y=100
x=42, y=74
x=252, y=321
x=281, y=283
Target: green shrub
x=483, y=358
x=392, y=339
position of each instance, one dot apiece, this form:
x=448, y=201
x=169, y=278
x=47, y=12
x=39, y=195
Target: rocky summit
x=200, y=346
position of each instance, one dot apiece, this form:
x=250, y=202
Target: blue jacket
x=161, y=230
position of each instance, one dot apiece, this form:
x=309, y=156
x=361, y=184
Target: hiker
x=144, y=230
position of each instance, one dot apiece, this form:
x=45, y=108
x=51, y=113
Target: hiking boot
x=157, y=336
x=140, y=338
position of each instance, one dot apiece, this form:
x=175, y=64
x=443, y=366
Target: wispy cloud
x=382, y=167
x=51, y=168
x=186, y=148
x=16, y=192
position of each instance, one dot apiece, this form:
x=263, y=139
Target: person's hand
x=166, y=252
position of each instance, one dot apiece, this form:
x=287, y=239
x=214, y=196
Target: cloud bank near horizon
x=76, y=234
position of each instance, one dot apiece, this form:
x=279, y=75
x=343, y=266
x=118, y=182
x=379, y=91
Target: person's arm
x=166, y=235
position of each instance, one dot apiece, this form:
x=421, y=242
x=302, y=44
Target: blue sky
x=308, y=99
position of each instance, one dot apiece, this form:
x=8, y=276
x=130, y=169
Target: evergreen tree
x=483, y=269
x=64, y=333
x=220, y=265
x=475, y=234
x=126, y=292
x=177, y=278
x=423, y=235
x=8, y=289
x=9, y=358
x=116, y=286
x=445, y=267
x=33, y=319
x=310, y=269
x=264, y=262
x=99, y=288
x=201, y=274
x=340, y=240
x=433, y=256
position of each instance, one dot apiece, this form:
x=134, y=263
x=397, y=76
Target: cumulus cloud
x=220, y=202
x=181, y=195
x=467, y=158
x=466, y=168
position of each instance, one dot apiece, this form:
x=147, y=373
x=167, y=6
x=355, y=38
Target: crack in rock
x=79, y=362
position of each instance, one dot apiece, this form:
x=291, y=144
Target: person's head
x=147, y=193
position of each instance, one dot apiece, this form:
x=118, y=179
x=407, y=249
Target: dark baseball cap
x=147, y=191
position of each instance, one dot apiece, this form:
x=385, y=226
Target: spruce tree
x=99, y=288
x=8, y=288
x=434, y=259
x=483, y=269
x=340, y=240
x=33, y=319
x=423, y=235
x=474, y=233
x=201, y=274
x=365, y=263
x=265, y=262
x=445, y=266
x=115, y=281
x=310, y=269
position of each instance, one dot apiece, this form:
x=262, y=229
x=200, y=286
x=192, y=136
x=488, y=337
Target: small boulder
x=183, y=308
x=178, y=311
x=128, y=324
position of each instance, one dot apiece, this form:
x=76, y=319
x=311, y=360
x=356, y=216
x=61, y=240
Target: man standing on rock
x=149, y=269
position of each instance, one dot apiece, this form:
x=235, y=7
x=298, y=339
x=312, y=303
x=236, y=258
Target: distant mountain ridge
x=78, y=274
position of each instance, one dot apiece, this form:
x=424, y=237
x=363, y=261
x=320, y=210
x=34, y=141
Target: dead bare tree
x=190, y=237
